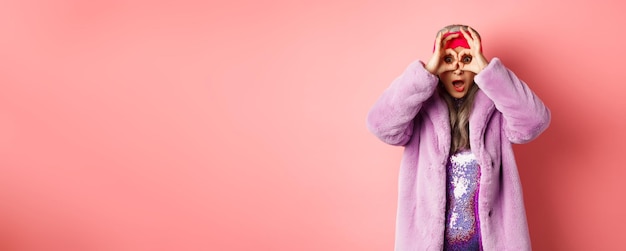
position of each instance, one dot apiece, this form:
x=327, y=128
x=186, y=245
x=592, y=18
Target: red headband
x=456, y=42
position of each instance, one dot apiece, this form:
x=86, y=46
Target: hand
x=436, y=64
x=473, y=59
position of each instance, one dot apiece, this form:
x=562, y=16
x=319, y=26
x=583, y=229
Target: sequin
x=462, y=223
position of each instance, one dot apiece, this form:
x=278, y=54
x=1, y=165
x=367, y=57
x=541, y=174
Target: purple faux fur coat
x=410, y=113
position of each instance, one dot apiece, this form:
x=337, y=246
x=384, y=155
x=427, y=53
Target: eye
x=466, y=59
x=447, y=59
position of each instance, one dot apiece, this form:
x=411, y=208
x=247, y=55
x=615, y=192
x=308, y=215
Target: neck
x=458, y=102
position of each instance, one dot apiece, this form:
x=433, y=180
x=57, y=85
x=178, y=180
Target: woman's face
x=456, y=82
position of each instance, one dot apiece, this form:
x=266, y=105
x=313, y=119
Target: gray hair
x=457, y=27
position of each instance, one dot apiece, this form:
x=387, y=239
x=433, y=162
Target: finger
x=476, y=39
x=473, y=43
x=466, y=35
x=451, y=52
x=443, y=32
x=438, y=40
x=448, y=65
x=436, y=58
x=465, y=57
x=445, y=68
x=448, y=38
x=469, y=65
x=451, y=36
x=474, y=33
x=465, y=52
x=441, y=41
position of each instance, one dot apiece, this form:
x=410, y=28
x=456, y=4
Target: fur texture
x=409, y=113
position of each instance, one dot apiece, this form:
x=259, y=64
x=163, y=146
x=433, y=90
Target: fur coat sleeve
x=391, y=118
x=525, y=116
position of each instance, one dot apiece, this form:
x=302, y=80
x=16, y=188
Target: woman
x=457, y=116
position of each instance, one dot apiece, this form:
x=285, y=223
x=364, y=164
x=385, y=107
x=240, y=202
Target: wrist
x=430, y=69
x=482, y=63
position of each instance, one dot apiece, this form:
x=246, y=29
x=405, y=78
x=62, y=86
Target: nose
x=458, y=70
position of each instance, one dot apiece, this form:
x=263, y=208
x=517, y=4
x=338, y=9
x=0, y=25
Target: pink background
x=187, y=125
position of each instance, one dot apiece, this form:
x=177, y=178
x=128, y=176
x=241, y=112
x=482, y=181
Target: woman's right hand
x=437, y=64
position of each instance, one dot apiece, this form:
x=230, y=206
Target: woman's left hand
x=473, y=59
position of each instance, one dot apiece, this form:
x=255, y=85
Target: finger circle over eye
x=451, y=52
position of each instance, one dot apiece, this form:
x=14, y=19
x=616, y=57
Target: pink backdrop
x=186, y=125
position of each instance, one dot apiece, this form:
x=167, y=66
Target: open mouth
x=459, y=85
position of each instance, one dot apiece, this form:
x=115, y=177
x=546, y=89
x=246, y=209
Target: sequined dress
x=462, y=223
